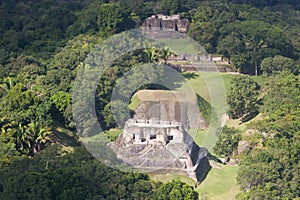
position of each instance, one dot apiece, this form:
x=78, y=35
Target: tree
x=175, y=190
x=241, y=63
x=38, y=136
x=74, y=52
x=269, y=172
x=61, y=100
x=243, y=98
x=230, y=45
x=103, y=18
x=274, y=65
x=26, y=119
x=271, y=169
x=6, y=84
x=170, y=7
x=227, y=142
x=78, y=175
x=155, y=55
x=260, y=40
x=205, y=34
x=282, y=95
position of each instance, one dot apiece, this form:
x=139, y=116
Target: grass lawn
x=200, y=82
x=180, y=46
x=220, y=184
x=170, y=177
x=209, y=84
x=134, y=102
x=198, y=136
x=105, y=137
x=243, y=127
x=64, y=137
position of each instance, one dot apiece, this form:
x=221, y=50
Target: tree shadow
x=190, y=75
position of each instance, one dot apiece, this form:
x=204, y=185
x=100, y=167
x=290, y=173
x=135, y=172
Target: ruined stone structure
x=174, y=27
x=156, y=138
x=187, y=62
x=166, y=23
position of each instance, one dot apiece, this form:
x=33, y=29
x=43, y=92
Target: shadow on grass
x=64, y=139
x=190, y=75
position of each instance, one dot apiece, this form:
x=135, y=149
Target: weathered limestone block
x=242, y=146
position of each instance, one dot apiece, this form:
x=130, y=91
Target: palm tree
x=37, y=136
x=254, y=43
x=28, y=138
x=7, y=84
x=151, y=54
x=18, y=133
x=165, y=53
x=154, y=55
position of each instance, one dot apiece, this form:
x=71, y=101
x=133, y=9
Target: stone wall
x=194, y=63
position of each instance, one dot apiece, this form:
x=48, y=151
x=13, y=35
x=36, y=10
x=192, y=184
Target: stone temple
x=166, y=23
x=156, y=138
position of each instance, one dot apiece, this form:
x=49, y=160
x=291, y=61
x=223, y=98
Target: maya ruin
x=156, y=138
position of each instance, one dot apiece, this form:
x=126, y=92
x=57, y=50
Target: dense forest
x=43, y=43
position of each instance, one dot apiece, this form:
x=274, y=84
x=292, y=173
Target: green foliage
x=139, y=9
x=272, y=171
x=63, y=103
x=175, y=190
x=227, y=142
x=207, y=19
x=231, y=45
x=24, y=64
x=271, y=66
x=244, y=34
x=170, y=7
x=113, y=134
x=282, y=96
x=243, y=98
x=263, y=3
x=256, y=40
x=155, y=55
x=44, y=177
x=7, y=83
x=205, y=34
x=105, y=18
x=112, y=19
x=35, y=27
x=61, y=100
x=74, y=52
x=25, y=120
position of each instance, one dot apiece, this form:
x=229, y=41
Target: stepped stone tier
x=166, y=23
x=194, y=63
x=155, y=139
x=160, y=106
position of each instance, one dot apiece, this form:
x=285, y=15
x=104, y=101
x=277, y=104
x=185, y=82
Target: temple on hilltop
x=175, y=27
x=156, y=138
x=161, y=22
